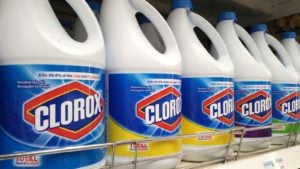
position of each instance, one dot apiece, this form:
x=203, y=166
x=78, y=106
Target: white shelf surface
x=287, y=158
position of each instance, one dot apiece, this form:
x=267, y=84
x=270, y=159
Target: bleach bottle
x=144, y=85
x=291, y=45
x=79, y=31
x=285, y=81
x=207, y=82
x=52, y=96
x=252, y=86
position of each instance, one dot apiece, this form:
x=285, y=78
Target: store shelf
x=280, y=159
x=285, y=155
x=276, y=157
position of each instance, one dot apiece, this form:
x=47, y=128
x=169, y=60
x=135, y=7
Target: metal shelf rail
x=136, y=160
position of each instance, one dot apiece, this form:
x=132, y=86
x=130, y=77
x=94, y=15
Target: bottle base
x=207, y=153
x=168, y=163
x=96, y=165
x=253, y=144
x=282, y=138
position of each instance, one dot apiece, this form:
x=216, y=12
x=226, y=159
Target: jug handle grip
x=249, y=42
x=212, y=34
x=282, y=53
x=162, y=27
x=88, y=19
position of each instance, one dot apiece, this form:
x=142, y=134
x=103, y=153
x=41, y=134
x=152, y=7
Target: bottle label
x=51, y=106
x=208, y=105
x=285, y=105
x=253, y=106
x=144, y=106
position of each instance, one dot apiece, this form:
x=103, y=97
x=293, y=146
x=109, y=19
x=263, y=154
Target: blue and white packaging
x=51, y=106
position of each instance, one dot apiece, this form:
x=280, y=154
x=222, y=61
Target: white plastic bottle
x=285, y=81
x=291, y=45
x=79, y=31
x=53, y=93
x=206, y=82
x=144, y=84
x=252, y=86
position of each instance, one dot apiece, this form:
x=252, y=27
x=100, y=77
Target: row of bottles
x=149, y=74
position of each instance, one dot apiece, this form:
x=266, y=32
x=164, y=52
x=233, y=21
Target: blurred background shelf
x=248, y=11
x=280, y=15
x=287, y=158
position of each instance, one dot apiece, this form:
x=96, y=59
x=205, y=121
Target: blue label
x=209, y=102
x=253, y=105
x=146, y=104
x=285, y=102
x=51, y=106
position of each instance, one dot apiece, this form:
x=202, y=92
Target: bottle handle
x=212, y=34
x=162, y=27
x=282, y=53
x=88, y=19
x=249, y=42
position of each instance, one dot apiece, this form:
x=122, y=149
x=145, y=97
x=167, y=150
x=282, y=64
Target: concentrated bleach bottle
x=252, y=86
x=53, y=93
x=285, y=81
x=144, y=84
x=79, y=31
x=207, y=85
x=151, y=33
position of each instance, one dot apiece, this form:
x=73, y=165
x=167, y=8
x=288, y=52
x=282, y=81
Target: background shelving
x=281, y=15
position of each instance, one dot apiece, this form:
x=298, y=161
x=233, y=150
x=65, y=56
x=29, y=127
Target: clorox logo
x=162, y=109
x=220, y=106
x=257, y=106
x=70, y=111
x=289, y=105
